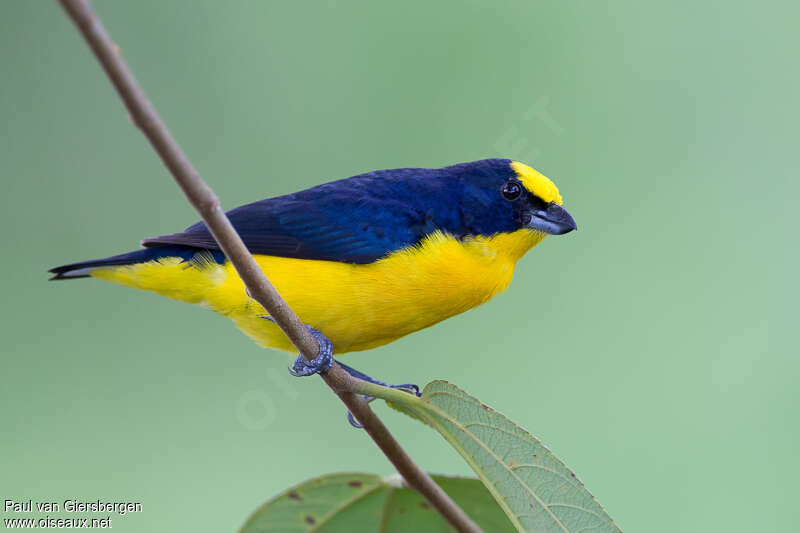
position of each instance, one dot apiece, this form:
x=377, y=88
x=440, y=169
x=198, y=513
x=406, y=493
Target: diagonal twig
x=258, y=286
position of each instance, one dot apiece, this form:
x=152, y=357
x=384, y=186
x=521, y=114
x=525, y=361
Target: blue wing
x=355, y=220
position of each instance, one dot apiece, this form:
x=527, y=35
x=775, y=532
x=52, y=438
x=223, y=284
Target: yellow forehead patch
x=537, y=183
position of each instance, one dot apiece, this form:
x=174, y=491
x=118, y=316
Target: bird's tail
x=184, y=273
x=84, y=269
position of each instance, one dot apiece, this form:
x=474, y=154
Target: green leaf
x=366, y=502
x=536, y=490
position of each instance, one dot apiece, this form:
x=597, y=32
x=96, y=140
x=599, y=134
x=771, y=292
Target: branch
x=258, y=286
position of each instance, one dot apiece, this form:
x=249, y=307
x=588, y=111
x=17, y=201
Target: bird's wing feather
x=356, y=220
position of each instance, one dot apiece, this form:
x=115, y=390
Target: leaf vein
x=448, y=418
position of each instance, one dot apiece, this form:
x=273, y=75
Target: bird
x=363, y=261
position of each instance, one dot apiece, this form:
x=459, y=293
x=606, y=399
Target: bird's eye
x=511, y=190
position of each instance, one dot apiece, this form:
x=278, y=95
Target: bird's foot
x=408, y=387
x=360, y=375
x=321, y=363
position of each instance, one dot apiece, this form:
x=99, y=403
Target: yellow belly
x=357, y=306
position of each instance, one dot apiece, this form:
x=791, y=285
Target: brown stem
x=258, y=286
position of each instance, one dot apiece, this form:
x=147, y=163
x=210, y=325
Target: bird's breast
x=363, y=306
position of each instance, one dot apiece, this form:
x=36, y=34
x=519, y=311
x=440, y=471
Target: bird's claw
x=408, y=387
x=320, y=364
x=411, y=388
x=323, y=362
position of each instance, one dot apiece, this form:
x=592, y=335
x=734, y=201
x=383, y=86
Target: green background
x=654, y=350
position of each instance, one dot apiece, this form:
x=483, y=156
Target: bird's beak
x=553, y=219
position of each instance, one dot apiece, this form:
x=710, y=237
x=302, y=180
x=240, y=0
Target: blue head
x=502, y=196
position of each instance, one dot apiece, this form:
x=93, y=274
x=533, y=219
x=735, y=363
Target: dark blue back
x=363, y=218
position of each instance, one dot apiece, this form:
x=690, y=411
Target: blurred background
x=653, y=350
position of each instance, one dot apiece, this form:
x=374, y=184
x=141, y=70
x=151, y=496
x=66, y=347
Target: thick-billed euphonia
x=364, y=260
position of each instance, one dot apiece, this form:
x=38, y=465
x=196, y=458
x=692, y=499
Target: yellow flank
x=356, y=306
x=537, y=183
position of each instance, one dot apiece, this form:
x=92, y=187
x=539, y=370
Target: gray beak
x=553, y=219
